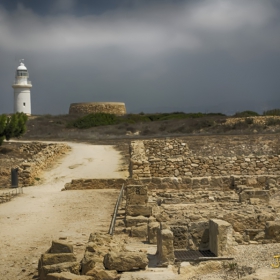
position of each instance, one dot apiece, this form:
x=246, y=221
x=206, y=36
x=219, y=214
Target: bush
x=274, y=112
x=272, y=122
x=245, y=114
x=12, y=126
x=249, y=120
x=92, y=120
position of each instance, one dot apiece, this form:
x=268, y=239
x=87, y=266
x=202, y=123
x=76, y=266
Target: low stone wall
x=117, y=108
x=43, y=156
x=210, y=183
x=168, y=158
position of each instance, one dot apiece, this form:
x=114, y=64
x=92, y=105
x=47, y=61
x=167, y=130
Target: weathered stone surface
x=73, y=267
x=136, y=195
x=49, y=259
x=220, y=237
x=89, y=260
x=272, y=230
x=138, y=210
x=188, y=271
x=181, y=236
x=141, y=231
x=152, y=232
x=116, y=108
x=125, y=261
x=198, y=238
x=60, y=247
x=134, y=221
x=165, y=249
x=249, y=194
x=100, y=273
x=68, y=276
x=42, y=156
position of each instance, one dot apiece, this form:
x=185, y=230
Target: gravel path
x=30, y=221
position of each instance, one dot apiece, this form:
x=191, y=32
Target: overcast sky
x=154, y=55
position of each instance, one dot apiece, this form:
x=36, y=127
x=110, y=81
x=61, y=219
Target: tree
x=12, y=126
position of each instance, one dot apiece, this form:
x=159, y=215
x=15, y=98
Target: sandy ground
x=43, y=213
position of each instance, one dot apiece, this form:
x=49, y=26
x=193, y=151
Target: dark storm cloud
x=152, y=55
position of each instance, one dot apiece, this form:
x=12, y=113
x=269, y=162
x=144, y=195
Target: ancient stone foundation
x=116, y=108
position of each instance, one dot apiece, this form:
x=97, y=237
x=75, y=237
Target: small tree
x=12, y=126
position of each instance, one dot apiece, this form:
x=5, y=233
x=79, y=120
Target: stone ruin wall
x=116, y=108
x=173, y=158
x=42, y=156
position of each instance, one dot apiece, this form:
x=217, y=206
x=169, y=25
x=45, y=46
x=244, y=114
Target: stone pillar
x=220, y=237
x=136, y=201
x=165, y=249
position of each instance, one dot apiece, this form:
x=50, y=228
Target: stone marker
x=125, y=261
x=220, y=237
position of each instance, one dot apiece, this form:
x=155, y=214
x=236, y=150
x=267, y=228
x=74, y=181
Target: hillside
x=55, y=127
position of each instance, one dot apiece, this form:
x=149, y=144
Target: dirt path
x=29, y=222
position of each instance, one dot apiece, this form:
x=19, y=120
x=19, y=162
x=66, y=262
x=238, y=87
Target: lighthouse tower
x=22, y=101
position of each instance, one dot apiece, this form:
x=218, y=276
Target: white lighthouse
x=22, y=100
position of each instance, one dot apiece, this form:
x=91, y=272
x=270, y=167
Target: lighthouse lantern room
x=22, y=100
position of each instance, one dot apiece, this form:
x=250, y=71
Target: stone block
x=263, y=195
x=136, y=210
x=68, y=276
x=73, y=267
x=60, y=247
x=134, y=221
x=136, y=195
x=100, y=273
x=152, y=232
x=141, y=231
x=125, y=261
x=49, y=259
x=272, y=230
x=220, y=237
x=165, y=249
x=180, y=233
x=89, y=261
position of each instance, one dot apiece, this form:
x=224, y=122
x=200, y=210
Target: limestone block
x=220, y=237
x=73, y=267
x=152, y=232
x=60, y=247
x=67, y=276
x=141, y=230
x=134, y=221
x=137, y=210
x=272, y=230
x=165, y=249
x=125, y=261
x=181, y=236
x=263, y=195
x=136, y=195
x=89, y=260
x=99, y=273
x=49, y=259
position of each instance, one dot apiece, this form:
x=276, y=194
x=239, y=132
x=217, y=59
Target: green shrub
x=245, y=114
x=12, y=126
x=272, y=121
x=249, y=120
x=274, y=112
x=92, y=120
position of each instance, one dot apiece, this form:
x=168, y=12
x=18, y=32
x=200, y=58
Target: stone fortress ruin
x=116, y=108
